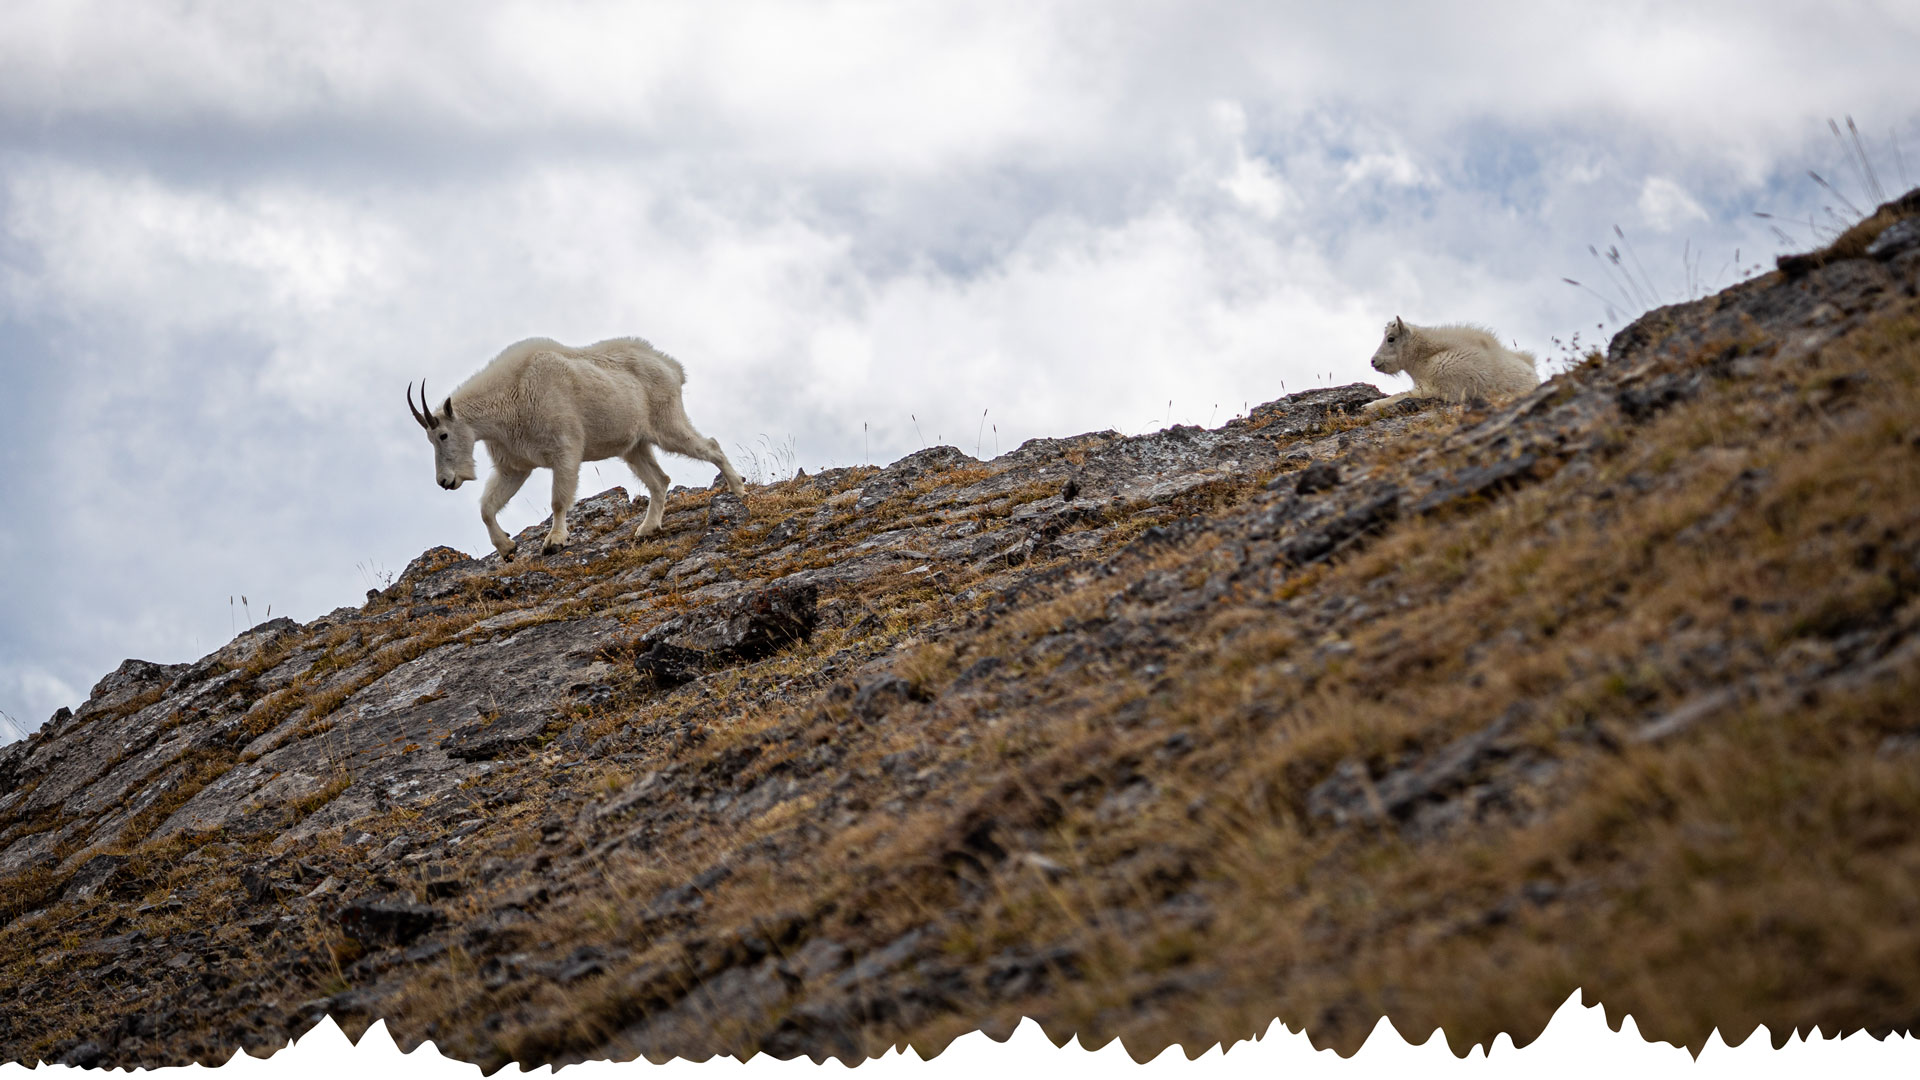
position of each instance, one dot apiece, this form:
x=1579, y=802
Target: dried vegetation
x=1607, y=688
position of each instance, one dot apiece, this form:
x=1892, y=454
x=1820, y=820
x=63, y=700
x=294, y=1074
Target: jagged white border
x=1577, y=1044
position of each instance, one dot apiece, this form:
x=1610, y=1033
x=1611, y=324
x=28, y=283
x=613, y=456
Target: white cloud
x=35, y=693
x=1394, y=169
x=230, y=236
x=1665, y=205
x=1254, y=185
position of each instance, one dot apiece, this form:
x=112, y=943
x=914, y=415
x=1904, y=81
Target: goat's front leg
x=500, y=487
x=1380, y=405
x=566, y=480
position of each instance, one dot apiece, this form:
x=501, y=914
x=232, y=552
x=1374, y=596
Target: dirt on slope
x=1439, y=716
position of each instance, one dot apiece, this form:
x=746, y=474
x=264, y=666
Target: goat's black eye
x=443, y=436
x=1389, y=341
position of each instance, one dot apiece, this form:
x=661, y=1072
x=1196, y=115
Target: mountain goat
x=543, y=405
x=1450, y=362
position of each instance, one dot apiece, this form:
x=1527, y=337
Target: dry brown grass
x=332, y=789
x=1852, y=244
x=1152, y=799
x=1331, y=927
x=1573, y=605
x=196, y=769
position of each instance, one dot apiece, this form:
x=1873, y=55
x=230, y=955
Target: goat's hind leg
x=734, y=483
x=697, y=446
x=647, y=468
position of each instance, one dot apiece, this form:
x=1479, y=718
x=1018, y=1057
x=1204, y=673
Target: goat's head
x=452, y=439
x=1389, y=358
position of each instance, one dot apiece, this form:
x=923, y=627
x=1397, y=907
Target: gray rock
x=725, y=513
x=94, y=876
x=1324, y=476
x=746, y=628
x=1896, y=239
x=447, y=582
x=422, y=746
x=1696, y=710
x=387, y=922
x=388, y=736
x=87, y=1055
x=1312, y=408
x=668, y=665
x=881, y=694
x=1364, y=518
x=1478, y=480
x=1349, y=794
x=496, y=736
x=1642, y=403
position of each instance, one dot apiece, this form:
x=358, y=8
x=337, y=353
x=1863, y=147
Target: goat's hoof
x=549, y=549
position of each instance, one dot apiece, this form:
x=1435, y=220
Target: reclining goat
x=1453, y=363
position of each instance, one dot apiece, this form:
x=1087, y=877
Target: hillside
x=1438, y=716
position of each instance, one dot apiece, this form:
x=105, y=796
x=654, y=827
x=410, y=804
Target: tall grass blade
x=1844, y=201
x=1635, y=256
x=1860, y=149
x=1625, y=300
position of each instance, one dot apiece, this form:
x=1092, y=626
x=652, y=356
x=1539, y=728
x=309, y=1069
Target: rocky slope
x=1438, y=715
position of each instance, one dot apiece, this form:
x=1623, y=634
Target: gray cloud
x=228, y=238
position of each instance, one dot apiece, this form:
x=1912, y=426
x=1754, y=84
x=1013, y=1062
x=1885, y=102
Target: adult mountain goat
x=542, y=405
x=1451, y=362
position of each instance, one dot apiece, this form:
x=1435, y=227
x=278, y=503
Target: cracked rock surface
x=1434, y=715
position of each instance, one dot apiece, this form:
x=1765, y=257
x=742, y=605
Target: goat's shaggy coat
x=1454, y=363
x=543, y=405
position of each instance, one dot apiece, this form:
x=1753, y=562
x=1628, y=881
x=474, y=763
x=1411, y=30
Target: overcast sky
x=230, y=235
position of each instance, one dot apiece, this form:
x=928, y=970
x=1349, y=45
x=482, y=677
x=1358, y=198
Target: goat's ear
x=447, y=407
x=1398, y=325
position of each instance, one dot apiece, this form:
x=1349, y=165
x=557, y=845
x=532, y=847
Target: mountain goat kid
x=1453, y=363
x=543, y=405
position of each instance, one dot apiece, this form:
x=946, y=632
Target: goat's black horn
x=422, y=420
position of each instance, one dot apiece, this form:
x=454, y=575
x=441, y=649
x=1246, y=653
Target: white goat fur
x=1454, y=363
x=541, y=404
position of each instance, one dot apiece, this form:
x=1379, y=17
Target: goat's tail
x=679, y=373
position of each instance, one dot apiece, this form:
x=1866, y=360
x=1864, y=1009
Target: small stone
x=1033, y=860
x=882, y=694
x=1324, y=476
x=1896, y=238
x=94, y=876
x=749, y=627
x=88, y=1055
x=387, y=922
x=671, y=665
x=497, y=737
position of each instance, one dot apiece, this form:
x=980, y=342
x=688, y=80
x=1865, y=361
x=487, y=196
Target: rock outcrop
x=1435, y=715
